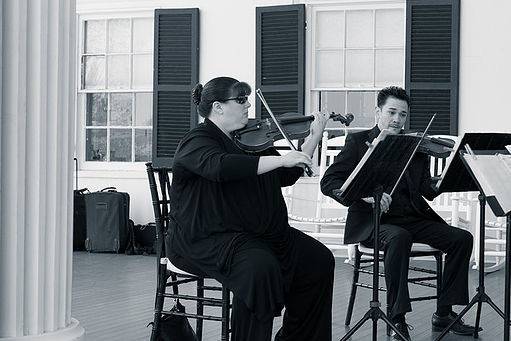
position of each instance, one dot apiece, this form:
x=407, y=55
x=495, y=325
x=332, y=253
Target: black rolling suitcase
x=107, y=220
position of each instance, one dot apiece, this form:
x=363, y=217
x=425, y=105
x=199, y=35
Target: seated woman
x=231, y=222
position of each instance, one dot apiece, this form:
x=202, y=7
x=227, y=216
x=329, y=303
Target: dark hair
x=392, y=91
x=218, y=89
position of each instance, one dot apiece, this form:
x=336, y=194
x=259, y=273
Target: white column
x=37, y=101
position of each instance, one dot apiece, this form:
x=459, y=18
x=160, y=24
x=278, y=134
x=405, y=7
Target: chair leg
x=356, y=267
x=439, y=275
x=158, y=304
x=200, y=308
x=226, y=302
x=388, y=313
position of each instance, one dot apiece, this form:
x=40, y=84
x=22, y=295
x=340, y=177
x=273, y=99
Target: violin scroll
x=346, y=120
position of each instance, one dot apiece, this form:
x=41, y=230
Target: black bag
x=107, y=220
x=142, y=239
x=79, y=219
x=176, y=328
x=79, y=215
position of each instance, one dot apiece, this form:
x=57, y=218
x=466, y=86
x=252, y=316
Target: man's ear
x=377, y=113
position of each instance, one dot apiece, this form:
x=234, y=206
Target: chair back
x=160, y=195
x=330, y=148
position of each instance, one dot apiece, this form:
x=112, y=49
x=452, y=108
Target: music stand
x=378, y=169
x=457, y=177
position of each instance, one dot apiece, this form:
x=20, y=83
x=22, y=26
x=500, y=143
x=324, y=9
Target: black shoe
x=403, y=329
x=441, y=322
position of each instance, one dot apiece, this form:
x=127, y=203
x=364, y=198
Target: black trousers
x=308, y=302
x=396, y=238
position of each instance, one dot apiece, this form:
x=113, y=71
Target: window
x=115, y=95
x=355, y=51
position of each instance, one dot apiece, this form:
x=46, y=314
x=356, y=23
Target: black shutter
x=432, y=57
x=176, y=71
x=280, y=58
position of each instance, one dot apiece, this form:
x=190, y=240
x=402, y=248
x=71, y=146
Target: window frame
x=81, y=102
x=313, y=92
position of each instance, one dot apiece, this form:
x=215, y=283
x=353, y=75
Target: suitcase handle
x=109, y=189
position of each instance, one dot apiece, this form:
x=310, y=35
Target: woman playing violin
x=232, y=222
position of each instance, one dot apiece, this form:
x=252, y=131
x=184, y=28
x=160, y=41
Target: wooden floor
x=113, y=298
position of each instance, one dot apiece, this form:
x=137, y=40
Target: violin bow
x=413, y=153
x=259, y=93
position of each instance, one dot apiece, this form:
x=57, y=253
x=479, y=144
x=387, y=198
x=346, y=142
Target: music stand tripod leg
x=481, y=295
x=507, y=280
x=374, y=313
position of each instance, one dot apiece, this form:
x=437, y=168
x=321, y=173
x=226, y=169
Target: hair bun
x=197, y=94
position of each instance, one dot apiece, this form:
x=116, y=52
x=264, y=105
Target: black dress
x=221, y=207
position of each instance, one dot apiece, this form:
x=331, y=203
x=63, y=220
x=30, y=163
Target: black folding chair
x=428, y=277
x=169, y=275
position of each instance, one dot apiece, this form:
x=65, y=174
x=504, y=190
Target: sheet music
x=493, y=173
x=455, y=176
x=366, y=156
x=381, y=165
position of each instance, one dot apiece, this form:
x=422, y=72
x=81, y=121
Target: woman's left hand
x=316, y=132
x=318, y=125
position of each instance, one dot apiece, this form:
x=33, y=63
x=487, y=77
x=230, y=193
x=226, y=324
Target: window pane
x=143, y=71
x=362, y=105
x=330, y=29
x=119, y=35
x=389, y=67
x=118, y=72
x=120, y=145
x=143, y=109
x=95, y=144
x=120, y=109
x=96, y=108
x=359, y=68
x=329, y=68
x=95, y=36
x=142, y=34
x=359, y=29
x=390, y=28
x=333, y=101
x=143, y=139
x=94, y=72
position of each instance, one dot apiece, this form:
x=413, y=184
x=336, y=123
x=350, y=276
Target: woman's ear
x=217, y=108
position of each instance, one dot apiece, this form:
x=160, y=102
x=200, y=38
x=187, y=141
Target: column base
x=73, y=332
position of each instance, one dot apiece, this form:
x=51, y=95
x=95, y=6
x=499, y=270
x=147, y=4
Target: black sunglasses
x=239, y=99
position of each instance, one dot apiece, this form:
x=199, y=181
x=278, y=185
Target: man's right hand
x=385, y=202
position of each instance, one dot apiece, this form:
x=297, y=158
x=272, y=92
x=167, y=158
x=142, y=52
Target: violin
x=439, y=147
x=260, y=134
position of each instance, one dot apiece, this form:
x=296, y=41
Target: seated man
x=406, y=218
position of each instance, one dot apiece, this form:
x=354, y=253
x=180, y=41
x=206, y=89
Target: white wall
x=227, y=43
x=227, y=48
x=485, y=66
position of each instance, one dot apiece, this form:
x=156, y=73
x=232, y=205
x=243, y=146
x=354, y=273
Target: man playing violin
x=231, y=222
x=406, y=218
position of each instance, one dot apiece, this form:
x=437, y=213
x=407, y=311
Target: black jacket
x=417, y=183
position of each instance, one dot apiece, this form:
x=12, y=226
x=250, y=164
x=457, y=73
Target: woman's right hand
x=296, y=159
